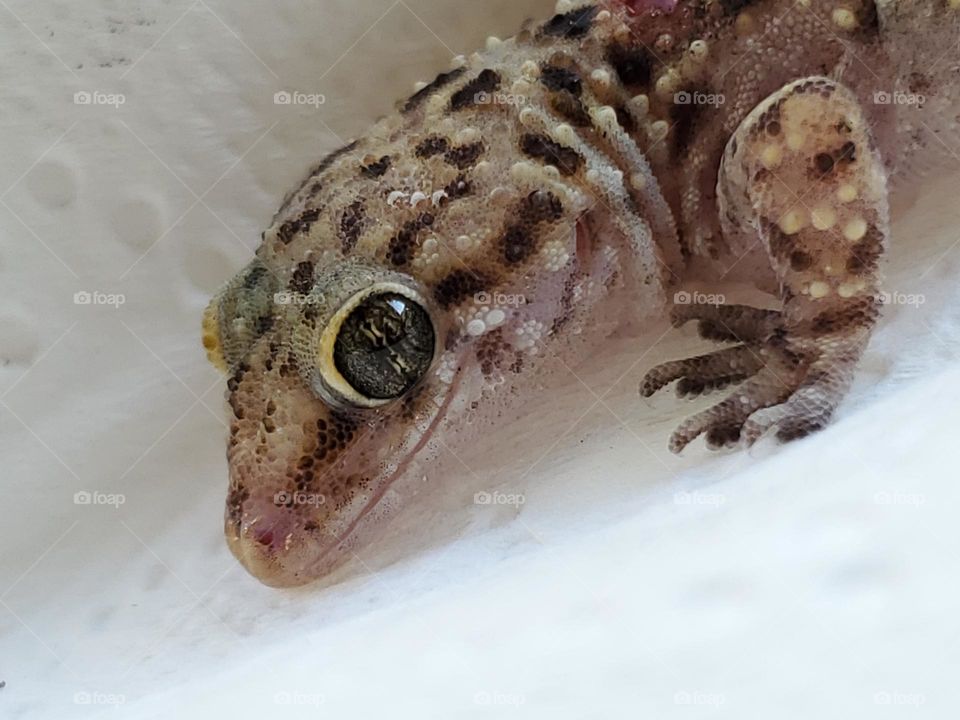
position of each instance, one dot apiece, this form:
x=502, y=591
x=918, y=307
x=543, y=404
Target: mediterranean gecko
x=420, y=276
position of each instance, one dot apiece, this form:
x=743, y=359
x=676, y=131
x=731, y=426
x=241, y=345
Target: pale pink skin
x=612, y=253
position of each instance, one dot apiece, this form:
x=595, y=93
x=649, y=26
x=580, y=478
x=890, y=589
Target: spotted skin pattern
x=617, y=150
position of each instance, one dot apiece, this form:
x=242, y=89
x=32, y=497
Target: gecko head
x=342, y=377
x=332, y=394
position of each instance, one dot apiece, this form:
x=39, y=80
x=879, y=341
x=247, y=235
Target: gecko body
x=422, y=274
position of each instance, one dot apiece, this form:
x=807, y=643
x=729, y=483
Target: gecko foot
x=789, y=384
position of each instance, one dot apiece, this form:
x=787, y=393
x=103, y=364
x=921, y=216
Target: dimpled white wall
x=813, y=581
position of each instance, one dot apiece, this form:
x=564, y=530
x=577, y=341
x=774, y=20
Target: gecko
x=421, y=276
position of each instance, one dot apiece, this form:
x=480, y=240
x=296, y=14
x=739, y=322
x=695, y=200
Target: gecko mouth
x=282, y=550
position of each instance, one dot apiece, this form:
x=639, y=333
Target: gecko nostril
x=264, y=537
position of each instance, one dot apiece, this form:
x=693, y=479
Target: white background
x=817, y=580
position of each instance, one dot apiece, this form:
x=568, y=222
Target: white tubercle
x=394, y=197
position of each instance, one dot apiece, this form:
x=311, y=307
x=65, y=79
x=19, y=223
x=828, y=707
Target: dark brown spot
x=458, y=286
x=566, y=160
x=625, y=119
x=438, y=82
x=683, y=117
x=573, y=24
x=486, y=82
x=464, y=156
x=824, y=163
x=254, y=276
x=489, y=350
x=517, y=244
x=290, y=229
x=457, y=188
x=433, y=145
x=554, y=77
x=302, y=279
x=856, y=312
x=377, y=168
x=263, y=324
x=539, y=206
x=848, y=152
x=733, y=7
x=865, y=254
x=402, y=245
x=918, y=83
x=351, y=225
x=571, y=108
x=800, y=260
x=633, y=64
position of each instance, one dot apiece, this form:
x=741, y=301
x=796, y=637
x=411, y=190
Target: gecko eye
x=383, y=343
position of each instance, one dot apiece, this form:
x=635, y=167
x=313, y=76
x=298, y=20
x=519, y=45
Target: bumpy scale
x=421, y=276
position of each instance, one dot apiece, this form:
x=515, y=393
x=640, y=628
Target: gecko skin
x=421, y=277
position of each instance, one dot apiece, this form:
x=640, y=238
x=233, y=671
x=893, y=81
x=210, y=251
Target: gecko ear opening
x=238, y=314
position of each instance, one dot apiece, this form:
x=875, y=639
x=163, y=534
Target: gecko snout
x=260, y=549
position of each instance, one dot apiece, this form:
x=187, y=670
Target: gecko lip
x=275, y=547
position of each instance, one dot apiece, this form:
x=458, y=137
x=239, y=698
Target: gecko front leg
x=803, y=175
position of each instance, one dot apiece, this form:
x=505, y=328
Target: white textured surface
x=813, y=581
